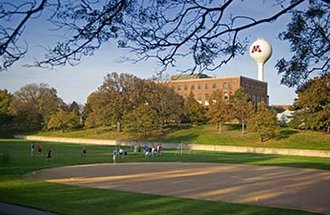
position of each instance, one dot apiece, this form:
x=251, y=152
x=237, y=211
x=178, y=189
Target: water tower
x=260, y=51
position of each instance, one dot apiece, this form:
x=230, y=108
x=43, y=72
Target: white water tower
x=260, y=51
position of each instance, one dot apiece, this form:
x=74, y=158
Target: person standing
x=32, y=148
x=49, y=154
x=39, y=149
x=115, y=155
x=84, y=151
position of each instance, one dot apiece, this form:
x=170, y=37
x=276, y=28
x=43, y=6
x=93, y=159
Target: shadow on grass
x=287, y=133
x=233, y=127
x=73, y=200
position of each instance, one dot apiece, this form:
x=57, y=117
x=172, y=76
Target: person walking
x=32, y=148
x=49, y=154
x=84, y=151
x=39, y=149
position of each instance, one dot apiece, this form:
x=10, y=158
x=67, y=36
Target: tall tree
x=241, y=107
x=96, y=112
x=122, y=94
x=264, y=122
x=63, y=120
x=124, y=91
x=5, y=98
x=142, y=119
x=167, y=104
x=219, y=110
x=33, y=104
x=74, y=107
x=313, y=105
x=192, y=110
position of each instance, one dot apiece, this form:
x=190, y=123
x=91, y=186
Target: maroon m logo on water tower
x=256, y=48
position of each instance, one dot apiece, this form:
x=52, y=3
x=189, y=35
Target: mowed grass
x=231, y=135
x=93, y=133
x=207, y=134
x=64, y=199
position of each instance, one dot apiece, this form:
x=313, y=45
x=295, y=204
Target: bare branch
x=9, y=50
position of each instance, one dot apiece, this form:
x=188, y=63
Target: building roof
x=189, y=76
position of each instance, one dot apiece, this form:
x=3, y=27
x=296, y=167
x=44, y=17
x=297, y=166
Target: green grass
x=66, y=199
x=289, y=138
x=95, y=133
x=207, y=134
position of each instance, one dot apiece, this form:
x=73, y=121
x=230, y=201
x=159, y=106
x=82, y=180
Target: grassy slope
x=290, y=138
x=78, y=200
x=95, y=133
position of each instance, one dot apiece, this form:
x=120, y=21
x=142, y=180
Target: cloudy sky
x=76, y=83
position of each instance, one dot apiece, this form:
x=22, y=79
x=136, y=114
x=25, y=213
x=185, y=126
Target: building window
x=206, y=97
x=226, y=85
x=178, y=87
x=199, y=86
x=185, y=87
x=214, y=86
x=199, y=98
x=206, y=86
x=192, y=87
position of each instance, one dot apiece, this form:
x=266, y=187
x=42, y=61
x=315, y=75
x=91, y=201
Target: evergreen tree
x=5, y=116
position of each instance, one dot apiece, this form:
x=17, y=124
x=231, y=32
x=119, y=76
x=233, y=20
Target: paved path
x=283, y=187
x=11, y=209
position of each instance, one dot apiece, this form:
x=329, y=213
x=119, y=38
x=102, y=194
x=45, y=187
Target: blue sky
x=76, y=83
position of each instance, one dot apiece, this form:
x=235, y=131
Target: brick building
x=202, y=87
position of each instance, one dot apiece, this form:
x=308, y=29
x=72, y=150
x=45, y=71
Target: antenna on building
x=260, y=51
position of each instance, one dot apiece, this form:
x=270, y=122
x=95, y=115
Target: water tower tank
x=260, y=51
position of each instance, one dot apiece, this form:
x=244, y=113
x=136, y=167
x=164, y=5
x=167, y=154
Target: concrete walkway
x=10, y=209
x=281, y=187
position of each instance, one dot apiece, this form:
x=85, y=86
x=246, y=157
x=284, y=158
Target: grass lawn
x=289, y=138
x=207, y=134
x=93, y=133
x=64, y=199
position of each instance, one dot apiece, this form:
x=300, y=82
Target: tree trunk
x=243, y=128
x=219, y=130
x=118, y=127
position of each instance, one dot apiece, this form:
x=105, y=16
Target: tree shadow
x=233, y=127
x=287, y=133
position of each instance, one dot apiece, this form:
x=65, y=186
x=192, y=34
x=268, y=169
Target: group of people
x=39, y=149
x=50, y=150
x=121, y=151
x=153, y=150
